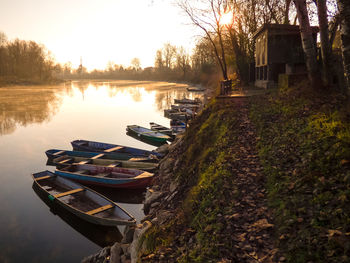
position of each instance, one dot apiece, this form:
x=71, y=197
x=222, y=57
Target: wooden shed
x=278, y=50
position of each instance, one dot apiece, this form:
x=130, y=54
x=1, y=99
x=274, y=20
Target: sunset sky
x=98, y=30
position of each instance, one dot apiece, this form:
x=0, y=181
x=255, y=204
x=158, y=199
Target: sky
x=99, y=31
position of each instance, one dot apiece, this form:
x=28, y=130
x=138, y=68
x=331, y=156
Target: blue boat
x=53, y=153
x=92, y=146
x=107, y=176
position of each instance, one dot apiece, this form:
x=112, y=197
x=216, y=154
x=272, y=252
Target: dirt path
x=250, y=224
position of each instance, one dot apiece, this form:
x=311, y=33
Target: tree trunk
x=326, y=49
x=286, y=12
x=307, y=41
x=344, y=10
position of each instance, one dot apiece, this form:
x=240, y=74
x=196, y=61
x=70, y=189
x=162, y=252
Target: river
x=34, y=119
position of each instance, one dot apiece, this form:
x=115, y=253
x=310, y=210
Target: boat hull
x=114, y=177
x=148, y=134
x=53, y=153
x=92, y=146
x=83, y=203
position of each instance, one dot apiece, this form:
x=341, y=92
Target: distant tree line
x=171, y=63
x=24, y=61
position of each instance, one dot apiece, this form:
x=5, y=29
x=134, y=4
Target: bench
x=69, y=192
x=58, y=153
x=43, y=177
x=97, y=156
x=100, y=209
x=113, y=149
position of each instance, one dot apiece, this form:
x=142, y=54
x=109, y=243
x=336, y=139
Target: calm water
x=36, y=118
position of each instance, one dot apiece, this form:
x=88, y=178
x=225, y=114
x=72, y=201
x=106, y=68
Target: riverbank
x=261, y=179
x=7, y=81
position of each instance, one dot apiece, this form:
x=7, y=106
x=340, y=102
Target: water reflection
x=127, y=196
x=100, y=235
x=21, y=106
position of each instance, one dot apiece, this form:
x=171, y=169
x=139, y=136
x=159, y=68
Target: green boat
x=148, y=134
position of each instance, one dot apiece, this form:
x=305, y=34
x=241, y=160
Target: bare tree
x=169, y=55
x=208, y=18
x=307, y=41
x=182, y=60
x=344, y=10
x=136, y=64
x=159, y=62
x=326, y=49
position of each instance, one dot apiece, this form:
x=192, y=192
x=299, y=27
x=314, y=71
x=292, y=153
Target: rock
x=115, y=253
x=154, y=221
x=151, y=196
x=155, y=204
x=139, y=231
x=169, y=197
x=125, y=248
x=163, y=216
x=166, y=164
x=163, y=149
x=101, y=257
x=173, y=186
x=128, y=234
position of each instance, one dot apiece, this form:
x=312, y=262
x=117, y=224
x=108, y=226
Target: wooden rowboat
x=195, y=89
x=177, y=126
x=92, y=146
x=81, y=201
x=53, y=153
x=187, y=101
x=107, y=176
x=66, y=160
x=148, y=134
x=102, y=236
x=160, y=128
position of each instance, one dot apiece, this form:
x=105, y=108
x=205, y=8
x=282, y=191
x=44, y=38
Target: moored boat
x=148, y=134
x=53, y=153
x=160, y=128
x=195, y=89
x=92, y=146
x=66, y=160
x=177, y=126
x=185, y=106
x=187, y=101
x=81, y=201
x=107, y=176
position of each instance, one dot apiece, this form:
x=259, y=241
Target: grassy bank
x=202, y=174
x=303, y=143
x=305, y=150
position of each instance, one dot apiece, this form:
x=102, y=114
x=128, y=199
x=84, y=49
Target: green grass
x=204, y=173
x=305, y=150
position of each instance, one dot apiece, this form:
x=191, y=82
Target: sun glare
x=227, y=18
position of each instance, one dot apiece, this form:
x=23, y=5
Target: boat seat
x=100, y=209
x=58, y=153
x=69, y=192
x=113, y=165
x=144, y=174
x=42, y=177
x=65, y=160
x=135, y=159
x=97, y=156
x=113, y=149
x=84, y=162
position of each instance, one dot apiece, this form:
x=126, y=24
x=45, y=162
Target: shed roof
x=282, y=29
